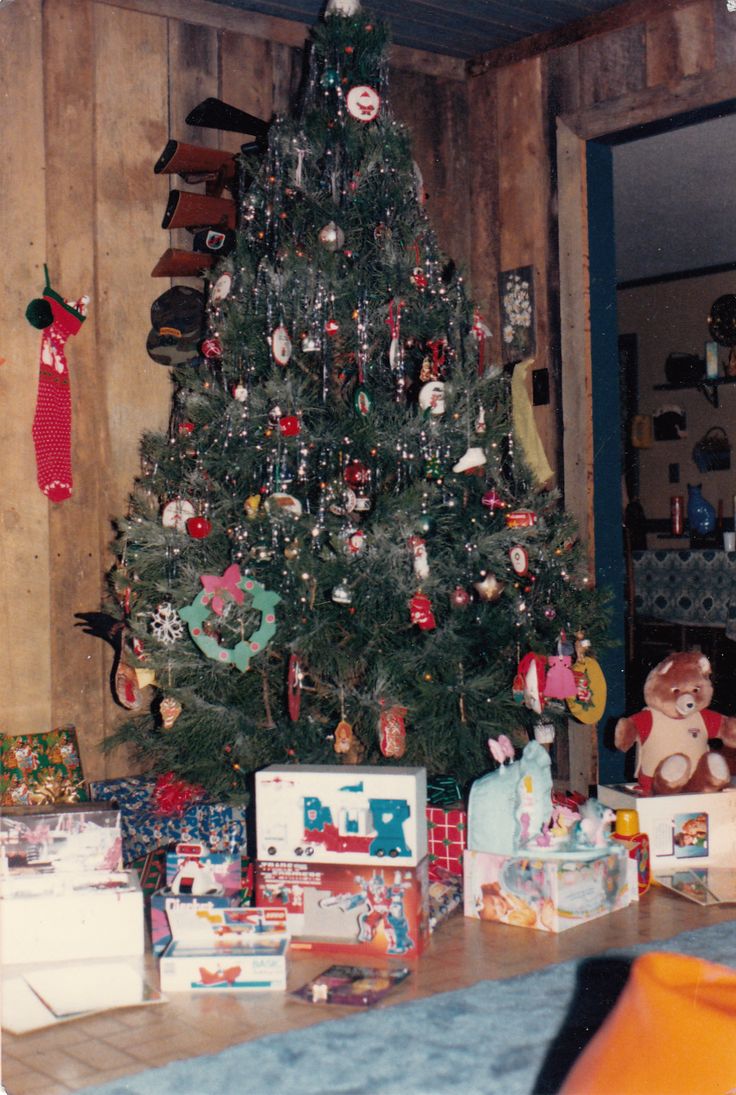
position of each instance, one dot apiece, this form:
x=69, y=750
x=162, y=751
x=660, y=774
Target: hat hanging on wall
x=177, y=317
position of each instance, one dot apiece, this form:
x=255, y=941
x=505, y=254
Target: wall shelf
x=708, y=386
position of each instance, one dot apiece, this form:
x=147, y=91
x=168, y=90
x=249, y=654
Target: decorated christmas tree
x=341, y=550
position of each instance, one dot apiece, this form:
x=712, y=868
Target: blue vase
x=701, y=515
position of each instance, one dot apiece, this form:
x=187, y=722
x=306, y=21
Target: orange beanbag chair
x=671, y=1032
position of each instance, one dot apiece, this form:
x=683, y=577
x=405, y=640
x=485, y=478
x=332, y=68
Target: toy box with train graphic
x=341, y=813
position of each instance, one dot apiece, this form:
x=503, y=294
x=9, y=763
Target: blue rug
x=513, y=1037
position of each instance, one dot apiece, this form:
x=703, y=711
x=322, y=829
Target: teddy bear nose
x=685, y=704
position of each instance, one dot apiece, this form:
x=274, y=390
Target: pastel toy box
x=225, y=950
x=52, y=922
x=72, y=842
x=341, y=813
x=194, y=876
x=684, y=830
x=367, y=910
x=549, y=893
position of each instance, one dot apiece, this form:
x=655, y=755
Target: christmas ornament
x=145, y=677
x=176, y=513
x=481, y=332
x=544, y=732
x=330, y=78
x=550, y=612
x=589, y=702
x=332, y=327
x=363, y=103
x=354, y=540
x=286, y=504
x=519, y=559
x=199, y=527
x=346, y=8
x=392, y=731
x=169, y=709
x=294, y=679
x=310, y=345
x=432, y=398
x=342, y=500
x=419, y=278
x=291, y=551
x=342, y=594
x=492, y=500
x=489, y=589
x=126, y=689
x=420, y=610
x=222, y=588
x=262, y=553
x=433, y=468
x=470, y=462
x=418, y=550
x=251, y=506
x=459, y=598
x=521, y=518
x=263, y=601
x=426, y=524
x=280, y=345
x=166, y=624
x=362, y=401
x=240, y=392
x=561, y=684
x=356, y=474
x=290, y=425
x=344, y=737
x=59, y=319
x=221, y=288
x=211, y=348
x=332, y=237
x=530, y=679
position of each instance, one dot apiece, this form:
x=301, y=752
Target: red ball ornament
x=356, y=474
x=212, y=347
x=199, y=527
x=492, y=500
x=289, y=425
x=459, y=598
x=332, y=327
x=420, y=608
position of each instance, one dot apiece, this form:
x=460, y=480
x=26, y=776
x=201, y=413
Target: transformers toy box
x=694, y=830
x=549, y=893
x=366, y=910
x=341, y=814
x=224, y=950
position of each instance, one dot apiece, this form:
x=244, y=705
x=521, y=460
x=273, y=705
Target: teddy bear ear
x=665, y=667
x=704, y=666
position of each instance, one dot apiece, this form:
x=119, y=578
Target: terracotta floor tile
x=99, y=1055
x=66, y=1069
x=35, y=1084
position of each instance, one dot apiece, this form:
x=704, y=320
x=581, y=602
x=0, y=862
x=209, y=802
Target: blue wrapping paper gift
x=219, y=825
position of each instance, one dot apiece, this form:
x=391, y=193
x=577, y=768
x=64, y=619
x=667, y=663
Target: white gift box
x=684, y=830
x=54, y=922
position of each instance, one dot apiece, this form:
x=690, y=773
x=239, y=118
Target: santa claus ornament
x=363, y=103
x=420, y=609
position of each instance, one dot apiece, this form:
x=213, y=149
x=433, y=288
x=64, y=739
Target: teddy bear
x=673, y=731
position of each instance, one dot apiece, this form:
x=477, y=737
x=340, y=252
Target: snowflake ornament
x=166, y=624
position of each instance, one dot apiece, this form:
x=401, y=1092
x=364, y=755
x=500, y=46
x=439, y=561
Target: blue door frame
x=607, y=448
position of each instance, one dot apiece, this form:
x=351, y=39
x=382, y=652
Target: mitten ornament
x=52, y=422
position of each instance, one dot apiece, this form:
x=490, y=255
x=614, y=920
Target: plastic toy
x=673, y=731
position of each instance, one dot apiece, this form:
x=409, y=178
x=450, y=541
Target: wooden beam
x=615, y=18
x=283, y=31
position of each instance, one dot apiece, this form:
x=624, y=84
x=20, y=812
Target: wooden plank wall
x=91, y=91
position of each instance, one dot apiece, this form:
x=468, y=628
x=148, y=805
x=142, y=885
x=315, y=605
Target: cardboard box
x=551, y=893
x=219, y=825
x=341, y=813
x=339, y=907
x=225, y=950
x=447, y=836
x=683, y=830
x=68, y=841
x=53, y=923
x=163, y=901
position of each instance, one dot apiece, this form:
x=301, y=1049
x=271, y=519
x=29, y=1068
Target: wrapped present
x=219, y=825
x=447, y=830
x=41, y=769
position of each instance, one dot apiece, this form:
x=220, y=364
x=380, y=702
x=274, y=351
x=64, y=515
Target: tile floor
x=110, y=1045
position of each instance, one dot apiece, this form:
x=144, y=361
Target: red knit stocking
x=52, y=423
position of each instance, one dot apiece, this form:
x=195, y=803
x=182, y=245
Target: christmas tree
x=339, y=552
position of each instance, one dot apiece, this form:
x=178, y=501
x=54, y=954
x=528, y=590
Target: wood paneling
x=679, y=43
x=25, y=593
x=483, y=202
